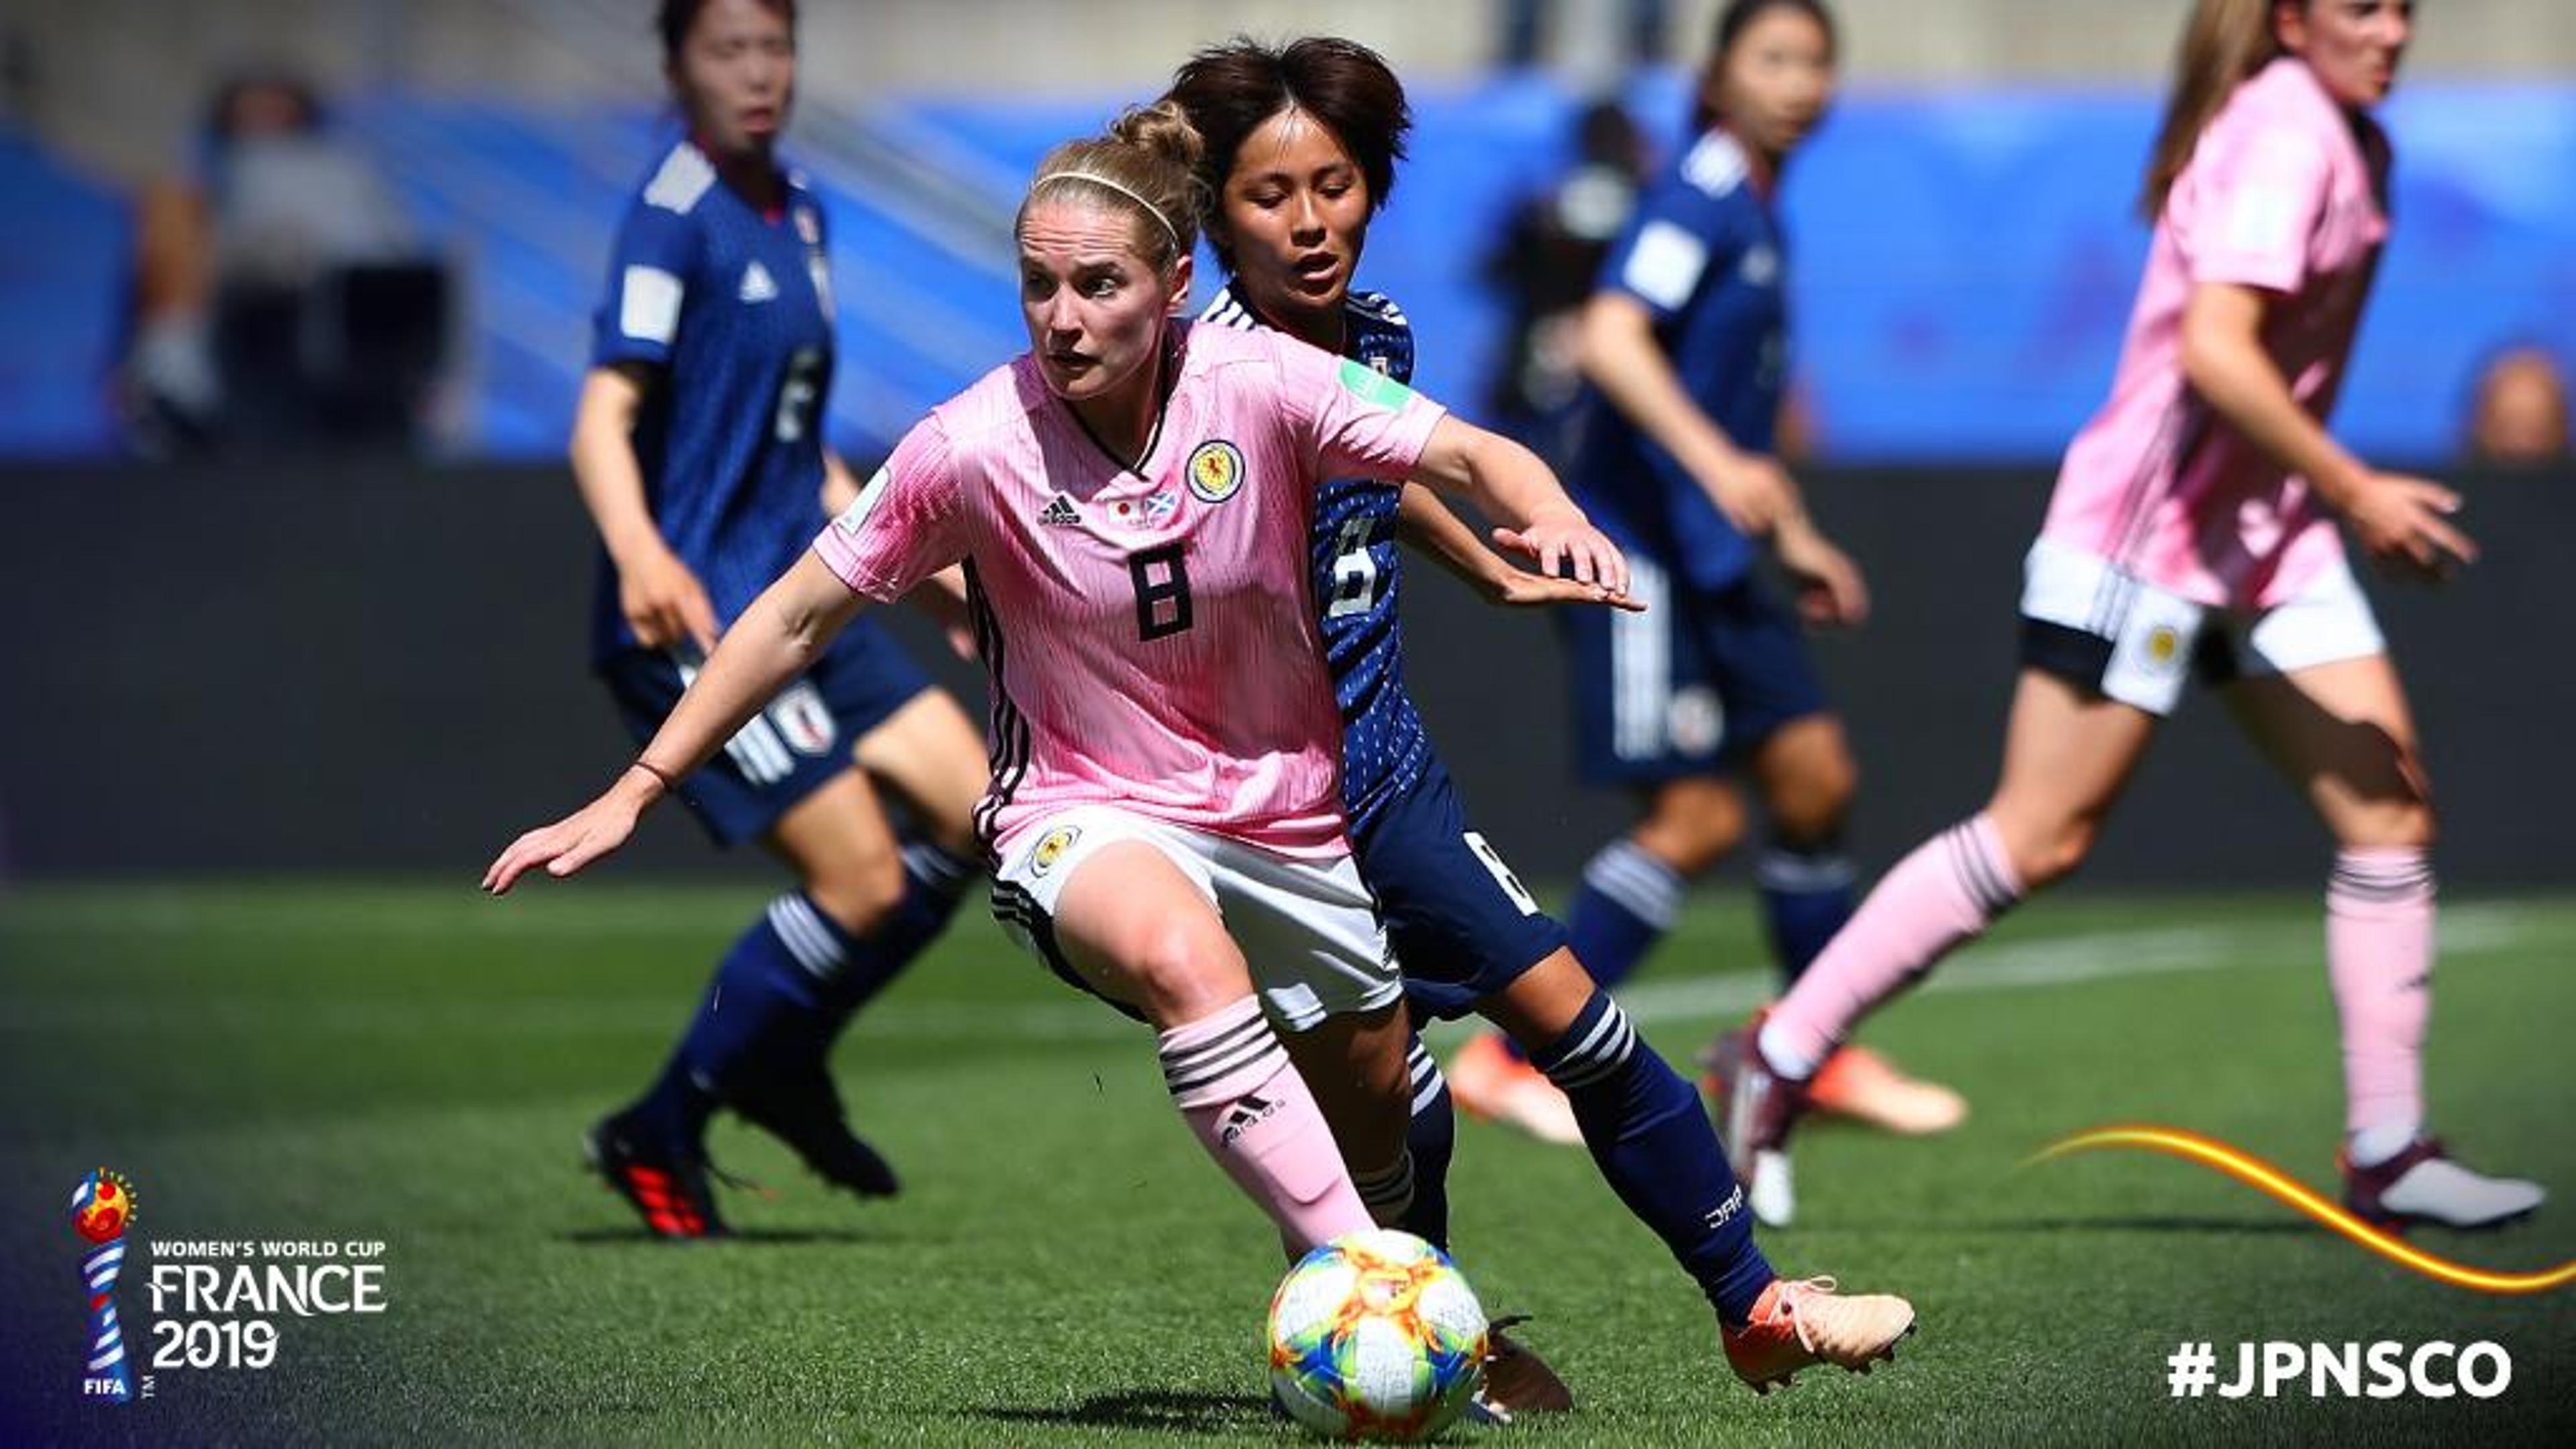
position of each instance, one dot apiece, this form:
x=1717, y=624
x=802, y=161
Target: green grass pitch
x=413, y=1064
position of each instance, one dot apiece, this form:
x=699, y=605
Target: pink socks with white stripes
x=2379, y=953
x=1947, y=892
x=1246, y=1104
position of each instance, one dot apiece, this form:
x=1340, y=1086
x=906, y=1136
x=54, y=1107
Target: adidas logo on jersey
x=757, y=286
x=1060, y=513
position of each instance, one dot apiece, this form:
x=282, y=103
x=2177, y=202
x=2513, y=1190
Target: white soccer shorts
x=2138, y=643
x=1307, y=927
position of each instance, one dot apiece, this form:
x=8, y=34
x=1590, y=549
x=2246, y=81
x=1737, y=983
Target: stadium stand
x=1966, y=255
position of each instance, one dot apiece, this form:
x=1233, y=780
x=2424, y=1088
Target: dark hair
x=222, y=124
x=1732, y=22
x=2223, y=44
x=1146, y=166
x=1229, y=90
x=676, y=17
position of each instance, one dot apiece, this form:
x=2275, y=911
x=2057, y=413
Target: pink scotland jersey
x=1148, y=632
x=2280, y=194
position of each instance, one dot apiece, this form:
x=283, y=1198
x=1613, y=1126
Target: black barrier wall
x=382, y=668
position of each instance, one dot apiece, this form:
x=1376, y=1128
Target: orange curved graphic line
x=2272, y=1182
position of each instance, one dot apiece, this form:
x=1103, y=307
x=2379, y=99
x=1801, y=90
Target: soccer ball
x=1376, y=1335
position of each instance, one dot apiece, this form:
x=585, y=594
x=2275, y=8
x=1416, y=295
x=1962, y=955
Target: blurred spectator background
x=266, y=223
x=281, y=299
x=2518, y=410
x=1543, y=267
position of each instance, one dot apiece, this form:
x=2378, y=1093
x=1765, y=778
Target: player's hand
x=2404, y=523
x=578, y=839
x=1519, y=588
x=665, y=604
x=1568, y=547
x=1830, y=588
x=1756, y=494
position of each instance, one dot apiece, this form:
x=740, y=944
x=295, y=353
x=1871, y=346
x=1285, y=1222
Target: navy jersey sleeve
x=1684, y=232
x=648, y=278
x=1380, y=335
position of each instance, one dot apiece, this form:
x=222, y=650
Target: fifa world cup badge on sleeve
x=1372, y=385
x=102, y=1209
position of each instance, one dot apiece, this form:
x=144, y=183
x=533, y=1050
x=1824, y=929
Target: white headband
x=1151, y=209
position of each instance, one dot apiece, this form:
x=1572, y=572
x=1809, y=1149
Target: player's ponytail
x=1162, y=129
x=2223, y=44
x=1145, y=165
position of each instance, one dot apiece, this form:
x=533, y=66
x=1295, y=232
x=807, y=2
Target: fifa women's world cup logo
x=102, y=1209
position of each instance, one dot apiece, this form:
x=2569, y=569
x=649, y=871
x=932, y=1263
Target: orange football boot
x=1798, y=1322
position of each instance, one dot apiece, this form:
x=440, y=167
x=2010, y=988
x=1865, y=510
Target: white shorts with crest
x=1307, y=927
x=2086, y=620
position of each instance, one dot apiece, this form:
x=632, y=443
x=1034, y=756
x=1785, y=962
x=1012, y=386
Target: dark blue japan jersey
x=1705, y=257
x=1353, y=563
x=735, y=309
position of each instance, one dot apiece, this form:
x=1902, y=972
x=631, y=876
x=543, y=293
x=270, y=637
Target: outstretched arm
x=1508, y=482
x=2401, y=521
x=1426, y=523
x=779, y=637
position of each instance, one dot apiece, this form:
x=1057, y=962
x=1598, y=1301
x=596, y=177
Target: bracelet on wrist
x=660, y=776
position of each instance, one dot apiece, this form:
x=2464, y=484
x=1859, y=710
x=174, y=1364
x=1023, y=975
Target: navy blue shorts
x=788, y=750
x=1461, y=924
x=1688, y=686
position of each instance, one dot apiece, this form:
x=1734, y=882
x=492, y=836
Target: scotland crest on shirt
x=1215, y=471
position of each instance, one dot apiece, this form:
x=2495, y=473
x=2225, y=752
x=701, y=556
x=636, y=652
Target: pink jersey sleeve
x=2256, y=191
x=1355, y=421
x=907, y=524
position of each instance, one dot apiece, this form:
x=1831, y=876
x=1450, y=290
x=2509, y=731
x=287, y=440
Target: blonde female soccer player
x=1130, y=498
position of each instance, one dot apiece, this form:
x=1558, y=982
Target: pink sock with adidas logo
x=1245, y=1102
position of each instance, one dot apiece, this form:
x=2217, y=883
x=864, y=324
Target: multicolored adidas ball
x=1376, y=1335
